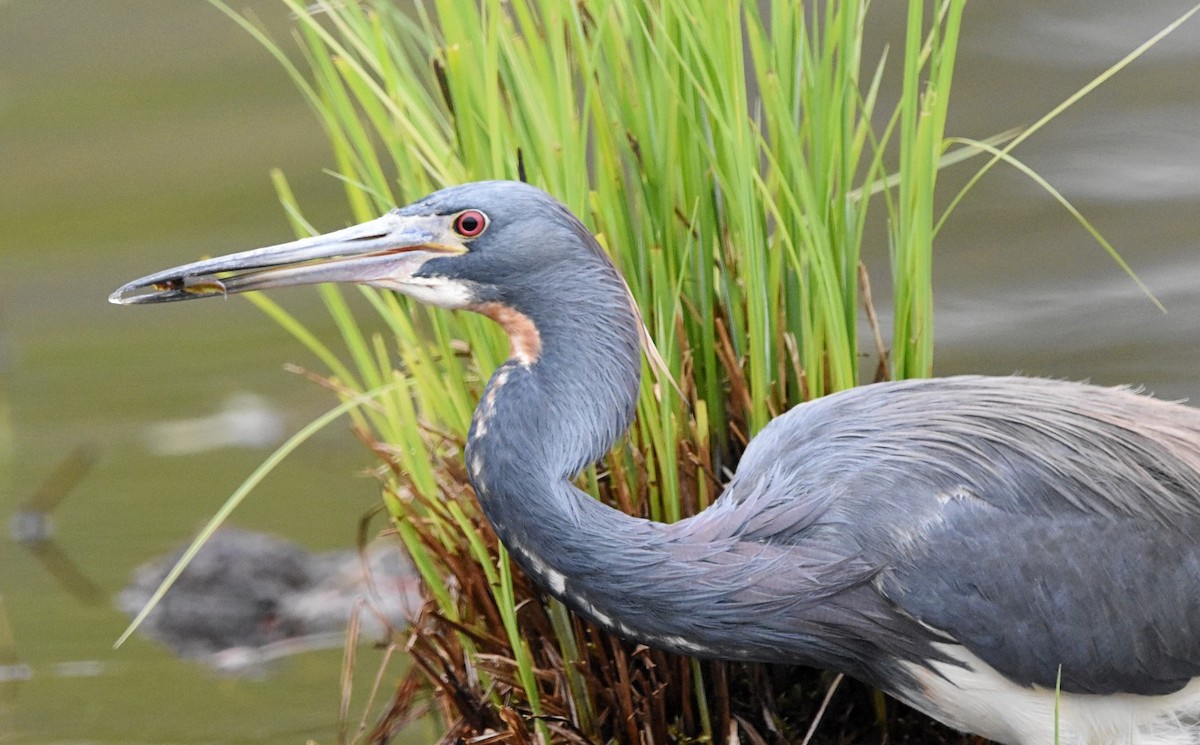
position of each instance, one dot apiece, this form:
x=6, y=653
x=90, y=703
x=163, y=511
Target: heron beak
x=386, y=251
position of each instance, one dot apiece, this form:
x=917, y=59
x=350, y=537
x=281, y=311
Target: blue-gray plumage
x=956, y=542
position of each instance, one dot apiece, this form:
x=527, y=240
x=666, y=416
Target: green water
x=137, y=134
x=134, y=135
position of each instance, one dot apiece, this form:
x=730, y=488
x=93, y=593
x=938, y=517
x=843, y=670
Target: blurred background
x=139, y=134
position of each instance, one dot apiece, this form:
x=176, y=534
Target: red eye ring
x=470, y=223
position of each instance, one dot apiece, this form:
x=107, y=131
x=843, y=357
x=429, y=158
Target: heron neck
x=541, y=421
x=532, y=434
x=538, y=424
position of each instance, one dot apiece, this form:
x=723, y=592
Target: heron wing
x=1114, y=602
x=1038, y=522
x=1044, y=523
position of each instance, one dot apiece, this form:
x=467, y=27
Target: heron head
x=475, y=246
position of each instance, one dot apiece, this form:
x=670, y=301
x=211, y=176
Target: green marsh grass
x=727, y=156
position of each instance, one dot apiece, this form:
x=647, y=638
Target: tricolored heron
x=958, y=542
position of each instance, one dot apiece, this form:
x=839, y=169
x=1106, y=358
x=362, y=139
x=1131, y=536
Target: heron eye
x=470, y=223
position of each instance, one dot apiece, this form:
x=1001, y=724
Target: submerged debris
x=249, y=597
